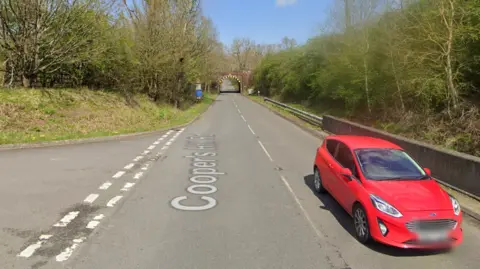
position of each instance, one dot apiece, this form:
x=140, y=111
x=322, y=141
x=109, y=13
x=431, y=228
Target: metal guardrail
x=310, y=118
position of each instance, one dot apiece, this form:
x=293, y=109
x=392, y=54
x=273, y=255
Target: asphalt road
x=232, y=190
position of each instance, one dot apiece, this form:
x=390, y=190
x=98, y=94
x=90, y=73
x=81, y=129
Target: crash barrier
x=454, y=169
x=308, y=117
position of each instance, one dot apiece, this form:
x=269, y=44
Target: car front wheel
x=317, y=182
x=360, y=221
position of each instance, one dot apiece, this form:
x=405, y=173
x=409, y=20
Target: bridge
x=244, y=79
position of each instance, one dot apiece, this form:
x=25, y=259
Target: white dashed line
x=67, y=219
x=129, y=166
x=146, y=152
x=251, y=130
x=138, y=158
x=168, y=143
x=243, y=118
x=156, y=142
x=264, y=149
x=163, y=137
x=145, y=167
x=69, y=250
x=114, y=200
x=138, y=175
x=119, y=174
x=105, y=185
x=151, y=147
x=91, y=198
x=164, y=148
x=239, y=111
x=94, y=223
x=127, y=186
x=27, y=252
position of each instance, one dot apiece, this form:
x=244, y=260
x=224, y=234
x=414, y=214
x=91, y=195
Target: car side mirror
x=346, y=173
x=429, y=173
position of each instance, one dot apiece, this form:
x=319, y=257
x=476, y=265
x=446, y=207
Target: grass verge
x=30, y=115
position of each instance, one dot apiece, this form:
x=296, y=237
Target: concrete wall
x=454, y=168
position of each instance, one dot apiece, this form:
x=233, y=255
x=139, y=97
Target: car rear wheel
x=360, y=221
x=317, y=181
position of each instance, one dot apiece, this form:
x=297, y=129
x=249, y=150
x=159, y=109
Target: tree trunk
x=26, y=81
x=399, y=89
x=365, y=67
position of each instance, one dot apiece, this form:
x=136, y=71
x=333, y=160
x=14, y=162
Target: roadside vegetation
x=409, y=67
x=81, y=68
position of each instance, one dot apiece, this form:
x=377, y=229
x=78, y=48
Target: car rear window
x=388, y=164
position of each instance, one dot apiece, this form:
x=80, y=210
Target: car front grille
x=429, y=225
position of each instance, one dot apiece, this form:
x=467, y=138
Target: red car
x=391, y=198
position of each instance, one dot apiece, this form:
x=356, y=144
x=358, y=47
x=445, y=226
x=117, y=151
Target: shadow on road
x=344, y=219
x=229, y=91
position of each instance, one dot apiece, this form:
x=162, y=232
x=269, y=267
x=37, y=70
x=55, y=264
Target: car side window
x=345, y=158
x=331, y=146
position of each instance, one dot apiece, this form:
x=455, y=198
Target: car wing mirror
x=346, y=173
x=427, y=170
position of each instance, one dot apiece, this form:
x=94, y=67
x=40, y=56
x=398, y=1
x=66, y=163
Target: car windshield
x=388, y=164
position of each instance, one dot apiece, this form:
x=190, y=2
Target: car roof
x=362, y=142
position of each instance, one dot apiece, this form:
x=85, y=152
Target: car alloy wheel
x=360, y=222
x=317, y=181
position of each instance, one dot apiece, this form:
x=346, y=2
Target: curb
x=59, y=143
x=323, y=134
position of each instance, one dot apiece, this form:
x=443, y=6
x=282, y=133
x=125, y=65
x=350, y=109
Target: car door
x=344, y=159
x=326, y=153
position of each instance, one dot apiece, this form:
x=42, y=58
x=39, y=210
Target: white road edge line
x=129, y=166
x=264, y=149
x=243, y=118
x=113, y=201
x=28, y=251
x=69, y=250
x=67, y=219
x=119, y=174
x=251, y=130
x=305, y=214
x=91, y=198
x=138, y=175
x=127, y=186
x=105, y=185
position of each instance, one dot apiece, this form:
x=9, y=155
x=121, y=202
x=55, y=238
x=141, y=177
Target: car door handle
x=330, y=165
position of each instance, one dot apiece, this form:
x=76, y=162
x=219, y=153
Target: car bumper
x=400, y=236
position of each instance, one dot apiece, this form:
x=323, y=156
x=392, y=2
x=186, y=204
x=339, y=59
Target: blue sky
x=267, y=21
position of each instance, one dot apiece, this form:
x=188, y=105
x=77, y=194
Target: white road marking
x=243, y=118
x=164, y=148
x=127, y=186
x=146, y=152
x=114, y=200
x=264, y=149
x=91, y=198
x=138, y=175
x=145, y=167
x=251, y=130
x=319, y=234
x=94, y=223
x=138, y=158
x=151, y=147
x=163, y=137
x=168, y=143
x=27, y=252
x=156, y=142
x=119, y=174
x=69, y=250
x=169, y=132
x=105, y=185
x=129, y=166
x=239, y=111
x=67, y=219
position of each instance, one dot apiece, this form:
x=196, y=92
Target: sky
x=267, y=21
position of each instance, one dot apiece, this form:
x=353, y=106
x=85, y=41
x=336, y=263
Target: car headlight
x=385, y=207
x=456, y=205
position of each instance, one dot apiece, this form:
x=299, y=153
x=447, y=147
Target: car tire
x=360, y=223
x=317, y=181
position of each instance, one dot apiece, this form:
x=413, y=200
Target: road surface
x=232, y=190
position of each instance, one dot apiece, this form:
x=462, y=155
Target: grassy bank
x=30, y=115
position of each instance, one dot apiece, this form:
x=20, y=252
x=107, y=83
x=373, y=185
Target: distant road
x=232, y=190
